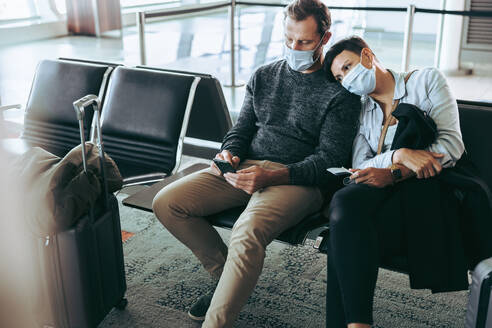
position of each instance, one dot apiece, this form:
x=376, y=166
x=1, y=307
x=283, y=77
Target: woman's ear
x=367, y=58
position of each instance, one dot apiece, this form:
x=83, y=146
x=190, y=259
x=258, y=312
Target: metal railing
x=411, y=10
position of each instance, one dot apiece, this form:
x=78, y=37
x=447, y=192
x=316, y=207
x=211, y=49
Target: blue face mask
x=360, y=80
x=301, y=60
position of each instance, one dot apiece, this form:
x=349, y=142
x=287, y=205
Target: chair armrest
x=305, y=229
x=321, y=242
x=143, y=179
x=200, y=148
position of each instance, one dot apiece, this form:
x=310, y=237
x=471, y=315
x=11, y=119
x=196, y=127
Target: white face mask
x=360, y=80
x=301, y=60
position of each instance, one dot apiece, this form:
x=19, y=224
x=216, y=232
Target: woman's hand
x=374, y=177
x=424, y=163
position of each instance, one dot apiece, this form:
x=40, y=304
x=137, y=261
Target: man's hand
x=226, y=156
x=424, y=163
x=374, y=177
x=249, y=179
x=254, y=178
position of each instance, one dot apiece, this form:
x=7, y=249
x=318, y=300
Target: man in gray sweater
x=294, y=124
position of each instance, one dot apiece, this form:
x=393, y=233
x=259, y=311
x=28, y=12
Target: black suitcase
x=81, y=270
x=479, y=311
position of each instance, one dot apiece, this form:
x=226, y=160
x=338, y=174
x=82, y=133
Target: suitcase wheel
x=122, y=304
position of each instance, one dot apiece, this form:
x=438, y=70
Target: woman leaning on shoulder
x=404, y=174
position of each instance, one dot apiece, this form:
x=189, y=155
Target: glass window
x=384, y=3
x=136, y=3
x=16, y=9
x=60, y=7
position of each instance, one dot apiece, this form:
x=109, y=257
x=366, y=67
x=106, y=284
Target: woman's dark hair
x=353, y=44
x=299, y=10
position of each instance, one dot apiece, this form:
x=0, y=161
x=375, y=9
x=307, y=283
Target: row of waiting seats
x=150, y=116
x=476, y=123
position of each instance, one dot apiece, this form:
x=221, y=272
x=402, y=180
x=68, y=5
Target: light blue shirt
x=427, y=89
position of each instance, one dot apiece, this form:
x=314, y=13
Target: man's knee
x=248, y=236
x=167, y=206
x=160, y=205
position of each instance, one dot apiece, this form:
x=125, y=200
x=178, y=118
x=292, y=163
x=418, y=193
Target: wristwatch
x=395, y=172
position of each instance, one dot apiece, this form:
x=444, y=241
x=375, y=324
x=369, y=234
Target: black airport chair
x=49, y=119
x=209, y=118
x=209, y=122
x=144, y=119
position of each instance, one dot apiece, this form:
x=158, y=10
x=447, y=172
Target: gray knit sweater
x=301, y=120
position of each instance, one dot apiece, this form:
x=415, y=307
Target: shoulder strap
x=390, y=120
x=408, y=75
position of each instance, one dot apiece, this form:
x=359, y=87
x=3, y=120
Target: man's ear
x=326, y=38
x=367, y=58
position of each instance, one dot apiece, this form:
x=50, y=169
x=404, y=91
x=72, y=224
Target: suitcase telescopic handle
x=79, y=106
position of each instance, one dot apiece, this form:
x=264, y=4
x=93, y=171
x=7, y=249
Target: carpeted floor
x=164, y=279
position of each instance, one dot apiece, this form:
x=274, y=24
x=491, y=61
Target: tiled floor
x=202, y=44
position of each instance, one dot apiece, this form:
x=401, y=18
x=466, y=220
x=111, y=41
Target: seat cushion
x=294, y=235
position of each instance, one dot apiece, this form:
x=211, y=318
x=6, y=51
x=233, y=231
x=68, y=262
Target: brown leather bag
x=56, y=190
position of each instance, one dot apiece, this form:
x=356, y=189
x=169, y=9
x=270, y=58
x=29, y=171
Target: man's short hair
x=299, y=10
x=353, y=44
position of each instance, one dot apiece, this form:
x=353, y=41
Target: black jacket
x=448, y=219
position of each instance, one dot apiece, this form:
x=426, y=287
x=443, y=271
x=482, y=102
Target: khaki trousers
x=182, y=205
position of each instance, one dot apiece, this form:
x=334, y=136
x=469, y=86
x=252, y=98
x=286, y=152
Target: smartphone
x=224, y=166
x=343, y=173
